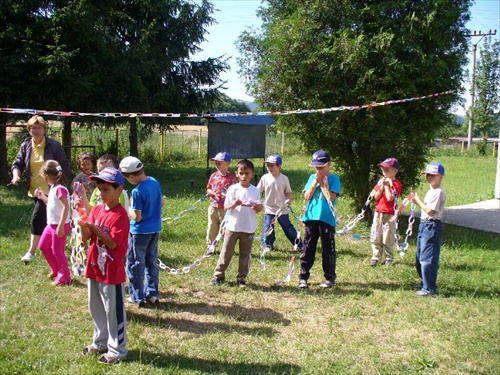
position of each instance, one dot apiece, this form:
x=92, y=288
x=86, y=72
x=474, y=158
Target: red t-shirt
x=383, y=205
x=103, y=264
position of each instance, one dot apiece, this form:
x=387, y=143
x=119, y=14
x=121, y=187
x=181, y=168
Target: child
x=243, y=203
x=383, y=228
x=145, y=227
x=86, y=162
x=217, y=186
x=320, y=192
x=277, y=196
x=107, y=228
x=430, y=231
x=106, y=160
x=53, y=239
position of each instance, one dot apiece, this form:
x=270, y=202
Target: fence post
x=116, y=143
x=494, y=145
x=462, y=151
x=162, y=150
x=199, y=145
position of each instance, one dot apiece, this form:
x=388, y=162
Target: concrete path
x=483, y=216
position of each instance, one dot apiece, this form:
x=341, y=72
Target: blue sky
x=236, y=16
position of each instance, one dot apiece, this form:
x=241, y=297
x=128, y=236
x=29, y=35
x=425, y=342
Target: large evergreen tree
x=321, y=54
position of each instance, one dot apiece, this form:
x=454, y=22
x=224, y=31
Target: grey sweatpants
x=107, y=308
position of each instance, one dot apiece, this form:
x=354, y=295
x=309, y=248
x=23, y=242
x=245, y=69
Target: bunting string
x=216, y=115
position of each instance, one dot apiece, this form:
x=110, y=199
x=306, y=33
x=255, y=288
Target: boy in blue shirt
x=320, y=192
x=145, y=227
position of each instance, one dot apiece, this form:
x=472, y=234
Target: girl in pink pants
x=53, y=239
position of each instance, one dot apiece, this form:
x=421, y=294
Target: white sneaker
x=28, y=257
x=303, y=284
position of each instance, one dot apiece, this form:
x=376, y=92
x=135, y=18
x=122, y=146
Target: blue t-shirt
x=318, y=208
x=147, y=198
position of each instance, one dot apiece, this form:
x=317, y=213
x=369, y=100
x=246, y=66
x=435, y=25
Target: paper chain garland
x=209, y=115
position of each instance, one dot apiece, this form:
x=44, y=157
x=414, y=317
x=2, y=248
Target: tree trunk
x=4, y=170
x=134, y=150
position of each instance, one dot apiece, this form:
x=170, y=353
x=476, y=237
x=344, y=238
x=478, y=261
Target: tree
x=320, y=54
x=487, y=90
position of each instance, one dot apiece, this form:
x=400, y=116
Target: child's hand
x=39, y=193
x=60, y=231
x=287, y=202
x=415, y=198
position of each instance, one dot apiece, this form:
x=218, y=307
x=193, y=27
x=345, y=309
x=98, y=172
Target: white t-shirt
x=242, y=218
x=434, y=199
x=54, y=206
x=275, y=190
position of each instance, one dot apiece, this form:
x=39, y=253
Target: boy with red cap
x=383, y=229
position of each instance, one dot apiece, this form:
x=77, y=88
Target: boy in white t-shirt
x=277, y=197
x=243, y=203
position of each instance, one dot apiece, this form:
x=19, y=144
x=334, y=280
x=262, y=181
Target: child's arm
x=135, y=214
x=429, y=211
x=288, y=200
x=88, y=228
x=64, y=215
x=386, y=190
x=41, y=195
x=257, y=207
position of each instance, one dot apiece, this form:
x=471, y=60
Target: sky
x=236, y=16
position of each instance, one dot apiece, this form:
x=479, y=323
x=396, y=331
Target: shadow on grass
x=180, y=363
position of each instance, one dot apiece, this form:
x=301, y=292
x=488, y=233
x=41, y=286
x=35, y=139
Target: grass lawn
x=370, y=323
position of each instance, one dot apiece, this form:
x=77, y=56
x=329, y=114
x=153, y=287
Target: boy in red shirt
x=107, y=227
x=383, y=228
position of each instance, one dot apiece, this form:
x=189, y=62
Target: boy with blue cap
x=430, y=231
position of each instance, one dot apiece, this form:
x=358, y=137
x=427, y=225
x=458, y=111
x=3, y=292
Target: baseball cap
x=130, y=164
x=274, y=159
x=320, y=158
x=389, y=163
x=434, y=168
x=222, y=156
x=110, y=175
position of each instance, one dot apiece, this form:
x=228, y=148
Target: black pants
x=314, y=230
x=38, y=217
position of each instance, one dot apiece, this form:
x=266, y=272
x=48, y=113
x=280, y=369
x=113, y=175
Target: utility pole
x=471, y=114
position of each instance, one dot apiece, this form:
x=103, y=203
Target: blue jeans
x=142, y=262
x=429, y=237
x=286, y=225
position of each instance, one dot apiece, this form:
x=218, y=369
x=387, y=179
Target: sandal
x=108, y=359
x=92, y=350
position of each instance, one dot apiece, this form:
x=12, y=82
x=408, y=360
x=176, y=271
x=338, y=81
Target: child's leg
x=226, y=254
x=136, y=264
x=308, y=253
x=377, y=234
x=246, y=241
x=389, y=238
x=289, y=229
x=418, y=266
x=45, y=245
x=38, y=224
x=63, y=276
x=268, y=241
x=429, y=254
x=213, y=224
x=116, y=319
x=329, y=254
x=152, y=273
x=98, y=313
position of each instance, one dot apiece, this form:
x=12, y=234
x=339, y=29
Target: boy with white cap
x=145, y=227
x=430, y=231
x=277, y=197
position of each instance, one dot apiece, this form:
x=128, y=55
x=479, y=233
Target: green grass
x=370, y=323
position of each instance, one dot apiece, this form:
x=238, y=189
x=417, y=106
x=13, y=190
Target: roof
x=242, y=119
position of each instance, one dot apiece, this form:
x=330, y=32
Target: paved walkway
x=483, y=216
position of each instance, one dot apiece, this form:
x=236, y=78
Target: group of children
x=118, y=229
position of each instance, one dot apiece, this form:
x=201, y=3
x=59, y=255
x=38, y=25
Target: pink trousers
x=52, y=248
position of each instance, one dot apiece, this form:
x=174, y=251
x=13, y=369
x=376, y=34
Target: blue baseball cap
x=222, y=156
x=320, y=158
x=110, y=175
x=274, y=159
x=389, y=163
x=434, y=168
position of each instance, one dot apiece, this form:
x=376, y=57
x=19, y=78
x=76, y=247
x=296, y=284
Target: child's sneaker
x=373, y=262
x=52, y=275
x=153, y=300
x=108, y=359
x=216, y=281
x=389, y=262
x=326, y=284
x=303, y=284
x=28, y=257
x=242, y=283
